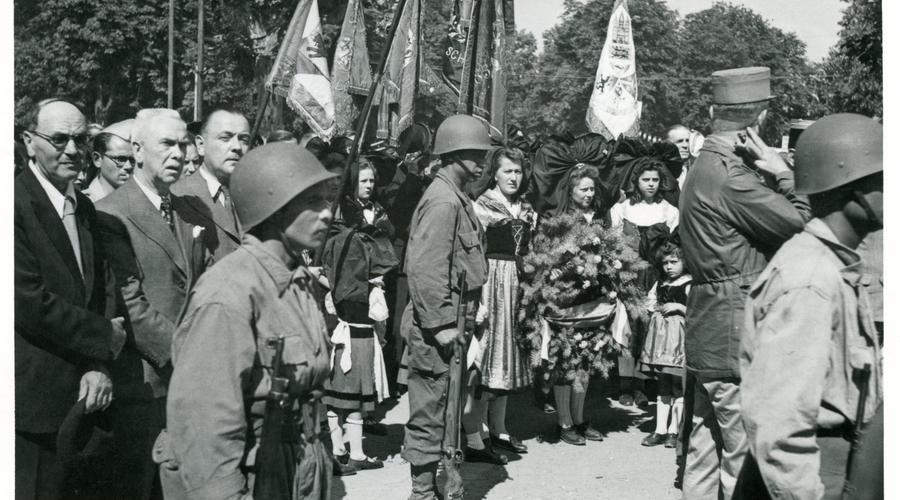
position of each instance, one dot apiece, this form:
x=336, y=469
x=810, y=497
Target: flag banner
x=614, y=108
x=474, y=60
x=351, y=75
x=300, y=71
x=401, y=76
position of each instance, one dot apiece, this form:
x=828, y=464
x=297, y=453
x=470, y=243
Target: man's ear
x=28, y=139
x=96, y=158
x=762, y=118
x=201, y=145
x=711, y=114
x=138, y=149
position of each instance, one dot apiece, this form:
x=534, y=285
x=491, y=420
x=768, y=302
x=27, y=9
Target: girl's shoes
x=367, y=464
x=571, y=436
x=654, y=439
x=588, y=432
x=671, y=440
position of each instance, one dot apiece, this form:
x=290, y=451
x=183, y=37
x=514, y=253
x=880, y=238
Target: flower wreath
x=572, y=263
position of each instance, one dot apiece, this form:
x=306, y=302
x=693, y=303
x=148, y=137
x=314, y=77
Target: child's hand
x=672, y=307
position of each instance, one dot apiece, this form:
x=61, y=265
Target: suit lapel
x=197, y=190
x=148, y=220
x=184, y=235
x=50, y=221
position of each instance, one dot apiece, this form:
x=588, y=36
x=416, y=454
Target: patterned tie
x=165, y=208
x=71, y=226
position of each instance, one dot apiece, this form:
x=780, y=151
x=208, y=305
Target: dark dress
x=663, y=349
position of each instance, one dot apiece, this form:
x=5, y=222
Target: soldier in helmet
x=808, y=315
x=445, y=238
x=222, y=350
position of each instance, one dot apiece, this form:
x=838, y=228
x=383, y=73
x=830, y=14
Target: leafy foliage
x=572, y=263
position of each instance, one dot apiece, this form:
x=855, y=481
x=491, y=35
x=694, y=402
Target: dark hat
x=84, y=434
x=797, y=128
x=194, y=127
x=741, y=85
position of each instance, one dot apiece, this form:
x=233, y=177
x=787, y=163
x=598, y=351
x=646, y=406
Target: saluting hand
x=765, y=158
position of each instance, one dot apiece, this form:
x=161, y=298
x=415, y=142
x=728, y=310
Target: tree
x=851, y=77
x=729, y=36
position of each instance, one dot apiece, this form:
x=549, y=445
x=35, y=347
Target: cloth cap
x=82, y=435
x=121, y=129
x=741, y=85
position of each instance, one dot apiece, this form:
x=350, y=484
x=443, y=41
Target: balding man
x=157, y=253
x=224, y=138
x=680, y=136
x=63, y=299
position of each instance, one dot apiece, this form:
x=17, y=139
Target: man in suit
x=224, y=138
x=63, y=300
x=156, y=255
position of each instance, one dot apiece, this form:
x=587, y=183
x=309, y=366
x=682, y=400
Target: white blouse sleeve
x=671, y=216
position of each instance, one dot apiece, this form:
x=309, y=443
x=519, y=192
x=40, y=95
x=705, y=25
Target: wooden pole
x=171, y=83
x=198, y=76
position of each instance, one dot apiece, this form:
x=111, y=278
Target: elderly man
x=680, y=136
x=63, y=299
x=157, y=256
x=224, y=138
x=114, y=160
x=731, y=223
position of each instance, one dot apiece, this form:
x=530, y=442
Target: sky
x=814, y=21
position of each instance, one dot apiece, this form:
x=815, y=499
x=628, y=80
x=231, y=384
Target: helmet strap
x=864, y=203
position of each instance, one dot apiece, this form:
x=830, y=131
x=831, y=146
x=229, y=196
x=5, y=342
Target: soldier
x=258, y=296
x=731, y=222
x=445, y=239
x=808, y=314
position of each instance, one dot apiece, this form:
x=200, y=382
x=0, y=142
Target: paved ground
x=617, y=468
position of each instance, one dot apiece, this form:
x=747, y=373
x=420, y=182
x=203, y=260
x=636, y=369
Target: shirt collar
x=851, y=272
x=154, y=198
x=274, y=266
x=212, y=183
x=102, y=185
x=57, y=199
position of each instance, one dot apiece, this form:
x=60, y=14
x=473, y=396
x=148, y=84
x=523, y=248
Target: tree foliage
x=112, y=57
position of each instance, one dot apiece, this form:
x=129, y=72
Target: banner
x=475, y=56
x=401, y=76
x=351, y=75
x=614, y=108
x=300, y=71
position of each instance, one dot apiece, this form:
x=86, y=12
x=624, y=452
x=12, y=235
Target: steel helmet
x=268, y=177
x=460, y=132
x=837, y=150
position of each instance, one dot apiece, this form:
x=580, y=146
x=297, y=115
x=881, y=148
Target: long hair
x=635, y=196
x=564, y=193
x=493, y=158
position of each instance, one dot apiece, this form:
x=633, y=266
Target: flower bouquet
x=579, y=286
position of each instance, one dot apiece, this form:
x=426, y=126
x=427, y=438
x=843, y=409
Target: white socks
x=663, y=404
x=474, y=441
x=677, y=412
x=355, y=433
x=337, y=434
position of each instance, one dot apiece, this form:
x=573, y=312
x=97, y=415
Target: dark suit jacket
x=61, y=319
x=155, y=268
x=200, y=205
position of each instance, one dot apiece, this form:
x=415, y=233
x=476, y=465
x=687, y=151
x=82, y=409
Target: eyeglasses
x=120, y=161
x=60, y=141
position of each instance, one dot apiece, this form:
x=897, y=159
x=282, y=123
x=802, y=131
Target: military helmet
x=460, y=132
x=269, y=177
x=837, y=150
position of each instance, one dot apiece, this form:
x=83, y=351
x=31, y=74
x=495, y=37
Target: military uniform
x=731, y=221
x=445, y=239
x=809, y=315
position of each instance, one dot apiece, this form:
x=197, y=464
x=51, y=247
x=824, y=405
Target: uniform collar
x=274, y=266
x=852, y=261
x=443, y=177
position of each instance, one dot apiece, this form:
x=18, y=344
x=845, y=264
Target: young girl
x=643, y=213
x=663, y=353
x=356, y=258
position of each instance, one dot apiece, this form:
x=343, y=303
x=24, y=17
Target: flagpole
x=363, y=117
x=171, y=80
x=198, y=78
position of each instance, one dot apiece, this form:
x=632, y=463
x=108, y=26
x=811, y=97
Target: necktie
x=165, y=208
x=71, y=226
x=226, y=202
